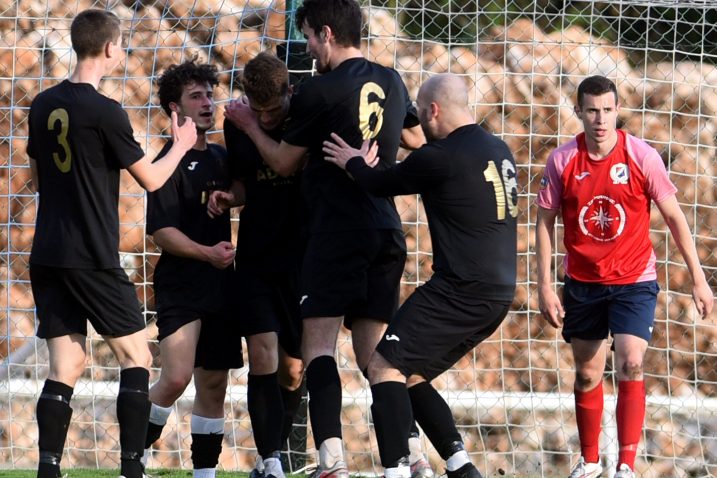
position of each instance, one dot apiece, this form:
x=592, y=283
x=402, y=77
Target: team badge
x=619, y=173
x=602, y=219
x=544, y=182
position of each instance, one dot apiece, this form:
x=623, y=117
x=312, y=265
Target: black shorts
x=438, y=324
x=219, y=345
x=270, y=304
x=67, y=298
x=355, y=274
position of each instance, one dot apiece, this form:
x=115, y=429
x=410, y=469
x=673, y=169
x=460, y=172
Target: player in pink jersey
x=603, y=183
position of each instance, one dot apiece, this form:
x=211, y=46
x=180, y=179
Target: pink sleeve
x=551, y=188
x=657, y=182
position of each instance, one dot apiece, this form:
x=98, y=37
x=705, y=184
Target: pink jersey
x=605, y=207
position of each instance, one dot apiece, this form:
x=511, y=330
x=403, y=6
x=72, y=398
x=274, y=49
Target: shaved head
x=442, y=105
x=446, y=89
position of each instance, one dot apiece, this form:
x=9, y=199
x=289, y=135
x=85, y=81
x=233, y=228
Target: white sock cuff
x=458, y=459
x=206, y=426
x=159, y=415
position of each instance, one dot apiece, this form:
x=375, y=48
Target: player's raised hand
x=704, y=300
x=550, y=306
x=185, y=135
x=221, y=255
x=339, y=151
x=219, y=201
x=240, y=114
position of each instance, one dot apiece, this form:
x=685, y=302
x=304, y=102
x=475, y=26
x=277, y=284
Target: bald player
x=467, y=180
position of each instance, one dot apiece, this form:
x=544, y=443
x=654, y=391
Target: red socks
x=588, y=415
x=630, y=417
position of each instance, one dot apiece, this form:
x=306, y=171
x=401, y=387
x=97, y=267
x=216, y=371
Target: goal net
x=522, y=61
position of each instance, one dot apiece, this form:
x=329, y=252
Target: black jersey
x=468, y=185
x=182, y=203
x=270, y=223
x=80, y=140
x=358, y=99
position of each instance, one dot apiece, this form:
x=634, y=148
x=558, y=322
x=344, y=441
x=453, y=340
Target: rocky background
x=522, y=80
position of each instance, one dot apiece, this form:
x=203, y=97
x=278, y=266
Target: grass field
x=115, y=473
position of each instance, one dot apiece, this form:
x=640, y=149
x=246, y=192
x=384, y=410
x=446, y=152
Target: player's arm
x=34, y=178
x=284, y=158
x=675, y=220
x=174, y=241
x=412, y=138
x=221, y=201
x=152, y=175
x=548, y=300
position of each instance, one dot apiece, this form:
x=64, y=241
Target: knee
x=586, y=379
x=175, y=384
x=263, y=356
x=68, y=371
x=632, y=369
x=380, y=370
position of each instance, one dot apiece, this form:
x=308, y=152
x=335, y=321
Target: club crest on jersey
x=602, y=218
x=619, y=173
x=544, y=182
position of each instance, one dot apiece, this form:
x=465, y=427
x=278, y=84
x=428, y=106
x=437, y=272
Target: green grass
x=78, y=473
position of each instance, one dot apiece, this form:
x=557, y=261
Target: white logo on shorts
x=393, y=337
x=303, y=298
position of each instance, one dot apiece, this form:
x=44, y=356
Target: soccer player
x=268, y=259
x=355, y=250
x=194, y=273
x=467, y=180
x=602, y=182
x=78, y=142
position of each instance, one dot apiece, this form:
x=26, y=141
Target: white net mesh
x=522, y=61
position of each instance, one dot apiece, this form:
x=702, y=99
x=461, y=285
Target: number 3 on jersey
x=60, y=114
x=370, y=110
x=505, y=186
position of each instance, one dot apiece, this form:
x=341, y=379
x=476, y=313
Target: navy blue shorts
x=592, y=311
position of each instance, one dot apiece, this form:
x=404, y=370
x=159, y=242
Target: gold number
x=506, y=177
x=370, y=113
x=60, y=114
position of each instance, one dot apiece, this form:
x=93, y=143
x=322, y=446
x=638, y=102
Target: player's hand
x=704, y=300
x=339, y=152
x=550, y=306
x=185, y=136
x=221, y=255
x=240, y=114
x=219, y=202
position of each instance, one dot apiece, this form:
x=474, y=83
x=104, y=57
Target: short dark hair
x=91, y=30
x=176, y=77
x=265, y=78
x=342, y=16
x=595, y=86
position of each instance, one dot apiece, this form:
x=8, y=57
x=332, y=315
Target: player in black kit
x=467, y=179
x=78, y=142
x=355, y=251
x=194, y=272
x=268, y=258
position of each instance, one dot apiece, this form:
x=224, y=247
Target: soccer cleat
x=466, y=471
x=258, y=471
x=586, y=470
x=421, y=469
x=339, y=470
x=624, y=472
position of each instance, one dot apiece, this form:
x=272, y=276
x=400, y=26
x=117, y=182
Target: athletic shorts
x=437, y=325
x=219, y=345
x=355, y=274
x=592, y=311
x=66, y=299
x=270, y=305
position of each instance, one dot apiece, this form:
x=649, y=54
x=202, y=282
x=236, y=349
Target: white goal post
x=522, y=60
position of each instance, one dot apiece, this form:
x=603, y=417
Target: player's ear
x=325, y=33
x=174, y=107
